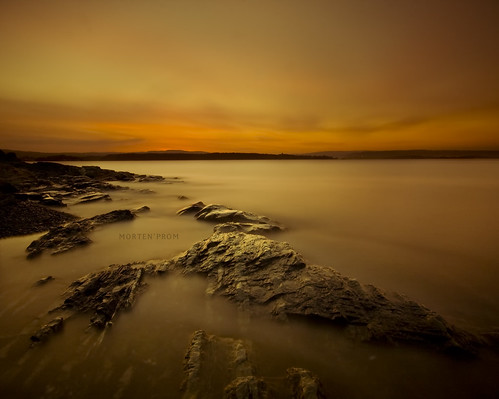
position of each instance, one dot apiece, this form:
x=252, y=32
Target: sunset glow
x=248, y=76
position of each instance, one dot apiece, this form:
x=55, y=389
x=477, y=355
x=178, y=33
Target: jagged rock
x=211, y=363
x=92, y=197
x=247, y=388
x=230, y=220
x=193, y=208
x=304, y=384
x=47, y=330
x=44, y=280
x=63, y=238
x=269, y=277
x=104, y=294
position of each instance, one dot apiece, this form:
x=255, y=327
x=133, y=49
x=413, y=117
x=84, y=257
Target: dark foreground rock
x=231, y=220
x=268, y=277
x=217, y=367
x=63, y=238
x=28, y=217
x=23, y=186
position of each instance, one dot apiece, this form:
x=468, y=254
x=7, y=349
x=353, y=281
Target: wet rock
x=63, y=238
x=142, y=209
x=47, y=330
x=51, y=201
x=250, y=228
x=104, y=294
x=268, y=277
x=304, y=384
x=193, y=208
x=44, y=281
x=92, y=197
x=247, y=388
x=231, y=220
x=211, y=363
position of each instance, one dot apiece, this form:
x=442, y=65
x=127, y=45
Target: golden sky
x=249, y=75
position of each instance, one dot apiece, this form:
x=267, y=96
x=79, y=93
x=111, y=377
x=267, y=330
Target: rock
x=211, y=363
x=247, y=388
x=250, y=228
x=142, y=209
x=104, y=294
x=51, y=201
x=193, y=208
x=304, y=384
x=92, y=197
x=221, y=367
x=268, y=277
x=63, y=238
x=149, y=178
x=47, y=330
x=44, y=280
x=182, y=197
x=231, y=220
x=26, y=217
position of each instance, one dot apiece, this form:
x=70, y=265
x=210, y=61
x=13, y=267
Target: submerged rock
x=47, y=330
x=63, y=238
x=218, y=367
x=43, y=281
x=268, y=277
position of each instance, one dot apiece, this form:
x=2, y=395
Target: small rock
x=193, y=208
x=44, y=280
x=182, y=197
x=47, y=330
x=142, y=209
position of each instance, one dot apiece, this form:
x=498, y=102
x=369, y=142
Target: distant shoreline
x=174, y=155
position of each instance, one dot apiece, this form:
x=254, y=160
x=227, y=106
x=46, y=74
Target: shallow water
x=427, y=229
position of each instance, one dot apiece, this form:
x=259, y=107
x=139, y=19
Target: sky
x=272, y=76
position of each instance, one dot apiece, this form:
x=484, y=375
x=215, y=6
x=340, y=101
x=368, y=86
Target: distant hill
x=155, y=156
x=409, y=154
x=175, y=155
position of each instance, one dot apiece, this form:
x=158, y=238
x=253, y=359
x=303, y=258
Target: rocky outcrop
x=65, y=237
x=230, y=220
x=218, y=367
x=28, y=217
x=268, y=277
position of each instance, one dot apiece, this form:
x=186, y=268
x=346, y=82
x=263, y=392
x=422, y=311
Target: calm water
x=427, y=229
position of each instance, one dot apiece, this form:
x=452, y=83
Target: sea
x=427, y=229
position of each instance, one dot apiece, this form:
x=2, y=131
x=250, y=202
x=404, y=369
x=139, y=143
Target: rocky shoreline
x=264, y=277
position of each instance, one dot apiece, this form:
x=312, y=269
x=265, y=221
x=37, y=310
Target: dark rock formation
x=269, y=277
x=104, y=294
x=63, y=238
x=27, y=217
x=230, y=220
x=47, y=330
